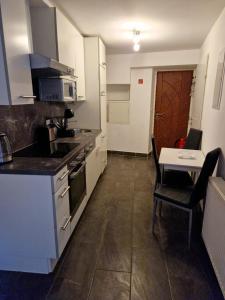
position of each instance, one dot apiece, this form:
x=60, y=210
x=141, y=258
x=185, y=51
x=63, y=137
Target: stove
x=51, y=150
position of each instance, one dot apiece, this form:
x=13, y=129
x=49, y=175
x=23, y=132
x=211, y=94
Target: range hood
x=45, y=66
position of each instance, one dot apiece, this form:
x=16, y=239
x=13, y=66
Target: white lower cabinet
x=62, y=211
x=103, y=147
x=92, y=170
x=35, y=223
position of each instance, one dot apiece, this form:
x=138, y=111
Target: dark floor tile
x=79, y=265
x=149, y=274
x=110, y=286
x=64, y=289
x=115, y=253
x=187, y=279
x=8, y=282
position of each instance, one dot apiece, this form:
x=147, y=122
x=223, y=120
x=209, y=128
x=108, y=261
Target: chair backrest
x=156, y=160
x=208, y=167
x=194, y=139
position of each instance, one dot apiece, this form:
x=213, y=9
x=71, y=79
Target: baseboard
x=124, y=153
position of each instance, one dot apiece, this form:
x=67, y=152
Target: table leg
x=162, y=173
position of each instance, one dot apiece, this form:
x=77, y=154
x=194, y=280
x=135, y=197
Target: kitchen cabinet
x=95, y=79
x=15, y=73
x=79, y=67
x=102, y=55
x=56, y=37
x=93, y=169
x=35, y=226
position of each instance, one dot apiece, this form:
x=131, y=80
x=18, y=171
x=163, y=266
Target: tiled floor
x=113, y=255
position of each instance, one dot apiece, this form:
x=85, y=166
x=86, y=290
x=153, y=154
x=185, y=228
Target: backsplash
x=19, y=122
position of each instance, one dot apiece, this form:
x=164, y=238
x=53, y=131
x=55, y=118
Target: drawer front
x=60, y=179
x=63, y=234
x=62, y=216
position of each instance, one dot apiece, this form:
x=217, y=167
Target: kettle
x=5, y=149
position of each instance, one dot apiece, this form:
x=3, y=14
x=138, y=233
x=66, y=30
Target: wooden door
x=172, y=105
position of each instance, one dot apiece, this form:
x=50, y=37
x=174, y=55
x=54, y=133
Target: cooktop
x=51, y=150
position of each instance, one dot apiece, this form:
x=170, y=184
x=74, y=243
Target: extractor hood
x=45, y=66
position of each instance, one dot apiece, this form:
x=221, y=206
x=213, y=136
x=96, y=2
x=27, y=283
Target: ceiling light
x=136, y=47
x=136, y=36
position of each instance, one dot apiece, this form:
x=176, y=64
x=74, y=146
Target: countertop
x=48, y=166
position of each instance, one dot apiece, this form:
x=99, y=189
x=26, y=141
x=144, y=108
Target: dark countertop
x=48, y=166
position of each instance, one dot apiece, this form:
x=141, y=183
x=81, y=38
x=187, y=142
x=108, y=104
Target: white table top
x=181, y=159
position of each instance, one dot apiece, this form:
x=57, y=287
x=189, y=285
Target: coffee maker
x=62, y=124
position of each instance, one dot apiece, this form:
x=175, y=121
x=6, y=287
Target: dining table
x=181, y=159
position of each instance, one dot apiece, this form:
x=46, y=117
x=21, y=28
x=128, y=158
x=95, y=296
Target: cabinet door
x=103, y=152
x=102, y=56
x=62, y=217
x=79, y=70
x=15, y=40
x=103, y=99
x=92, y=170
x=66, y=36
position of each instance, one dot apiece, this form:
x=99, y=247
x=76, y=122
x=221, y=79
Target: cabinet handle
x=63, y=176
x=80, y=97
x=64, y=192
x=66, y=224
x=104, y=64
x=27, y=97
x=103, y=94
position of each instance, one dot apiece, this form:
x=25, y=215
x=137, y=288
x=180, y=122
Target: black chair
x=194, y=139
x=170, y=177
x=186, y=198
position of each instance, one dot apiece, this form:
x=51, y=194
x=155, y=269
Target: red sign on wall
x=140, y=81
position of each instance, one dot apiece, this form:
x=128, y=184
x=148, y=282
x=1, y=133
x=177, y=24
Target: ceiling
x=164, y=24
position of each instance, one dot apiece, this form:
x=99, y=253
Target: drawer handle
x=64, y=192
x=66, y=224
x=28, y=96
x=63, y=176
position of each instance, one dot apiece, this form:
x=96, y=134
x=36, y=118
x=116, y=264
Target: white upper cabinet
x=80, y=72
x=53, y=35
x=56, y=37
x=15, y=74
x=66, y=37
x=102, y=56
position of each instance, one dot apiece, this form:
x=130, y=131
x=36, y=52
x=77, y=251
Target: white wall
x=134, y=137
x=213, y=121
x=119, y=65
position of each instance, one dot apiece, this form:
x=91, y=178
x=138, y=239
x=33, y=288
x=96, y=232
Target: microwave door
x=69, y=91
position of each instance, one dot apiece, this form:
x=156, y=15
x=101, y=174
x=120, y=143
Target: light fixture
x=136, y=40
x=136, y=47
x=136, y=36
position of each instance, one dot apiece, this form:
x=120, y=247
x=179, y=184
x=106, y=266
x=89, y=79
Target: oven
x=77, y=182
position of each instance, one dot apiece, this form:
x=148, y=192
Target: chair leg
x=154, y=214
x=189, y=229
x=160, y=209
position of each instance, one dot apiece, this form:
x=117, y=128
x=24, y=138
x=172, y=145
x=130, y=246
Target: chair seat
x=177, y=178
x=178, y=196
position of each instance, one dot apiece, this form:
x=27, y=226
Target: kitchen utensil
x=5, y=149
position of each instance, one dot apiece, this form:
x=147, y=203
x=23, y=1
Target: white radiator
x=213, y=230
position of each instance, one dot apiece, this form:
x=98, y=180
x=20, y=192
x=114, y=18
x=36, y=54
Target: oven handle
x=75, y=174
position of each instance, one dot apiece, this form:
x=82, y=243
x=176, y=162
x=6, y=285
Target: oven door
x=77, y=182
x=69, y=90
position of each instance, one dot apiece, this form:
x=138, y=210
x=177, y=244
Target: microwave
x=59, y=89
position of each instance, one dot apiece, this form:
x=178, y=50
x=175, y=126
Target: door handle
x=158, y=115
x=66, y=223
